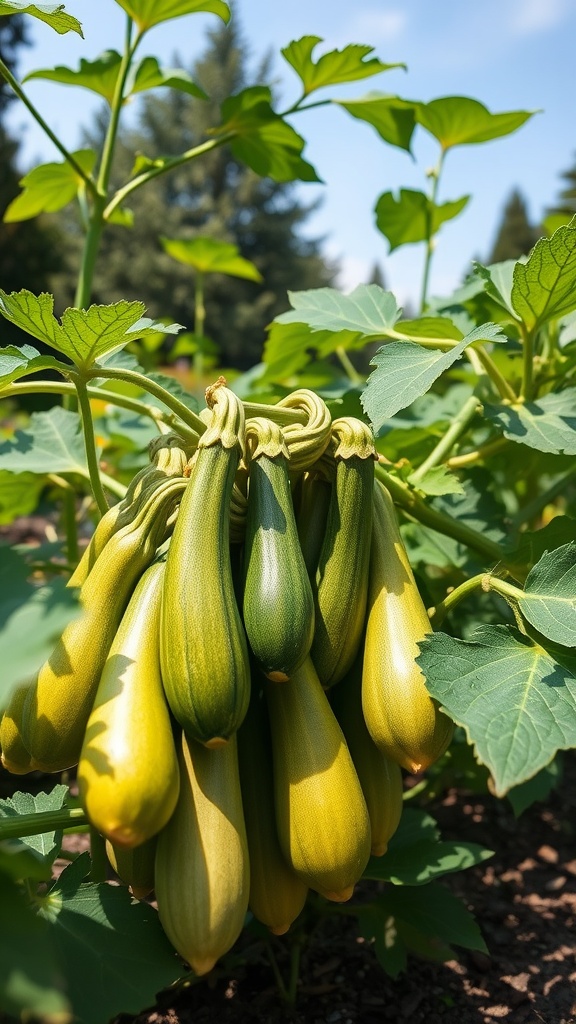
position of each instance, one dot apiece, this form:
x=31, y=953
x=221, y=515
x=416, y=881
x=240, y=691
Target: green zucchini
x=311, y=518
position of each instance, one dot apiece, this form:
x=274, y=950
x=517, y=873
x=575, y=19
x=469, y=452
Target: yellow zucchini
x=321, y=815
x=128, y=769
x=15, y=757
x=203, y=649
x=202, y=872
x=135, y=867
x=380, y=777
x=277, y=895
x=58, y=705
x=402, y=718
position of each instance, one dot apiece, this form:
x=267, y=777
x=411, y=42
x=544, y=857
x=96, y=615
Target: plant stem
x=439, y=612
x=89, y=255
x=534, y=507
x=430, y=239
x=199, y=320
x=350, y=370
x=33, y=824
x=15, y=85
x=276, y=971
x=457, y=429
x=110, y=483
x=528, y=371
x=501, y=384
x=292, y=992
x=416, y=508
x=502, y=587
x=484, y=452
x=145, y=384
x=90, y=445
x=99, y=869
x=273, y=412
x=70, y=526
x=116, y=108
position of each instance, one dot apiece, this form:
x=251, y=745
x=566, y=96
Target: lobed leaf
x=209, y=255
x=368, y=311
x=99, y=76
x=413, y=217
x=53, y=15
x=16, y=362
x=393, y=118
x=549, y=598
x=549, y=425
x=544, y=286
x=516, y=701
x=460, y=121
x=46, y=845
x=51, y=443
x=149, y=75
x=346, y=65
x=49, y=187
x=437, y=481
x=147, y=13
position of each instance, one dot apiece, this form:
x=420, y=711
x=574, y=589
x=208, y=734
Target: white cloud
x=538, y=15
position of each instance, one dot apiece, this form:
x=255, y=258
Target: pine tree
x=516, y=235
x=567, y=199
x=215, y=196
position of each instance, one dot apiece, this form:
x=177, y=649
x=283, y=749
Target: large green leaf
x=413, y=217
x=46, y=844
x=290, y=347
x=53, y=15
x=114, y=954
x=83, y=335
x=147, y=13
x=19, y=494
x=17, y=362
x=532, y=544
x=516, y=702
x=426, y=921
x=549, y=425
x=210, y=256
x=99, y=76
x=30, y=976
x=368, y=310
x=32, y=620
x=261, y=139
x=545, y=285
x=549, y=599
x=416, y=854
x=459, y=121
x=49, y=187
x=393, y=118
x=346, y=65
x=405, y=370
x=499, y=279
x=52, y=443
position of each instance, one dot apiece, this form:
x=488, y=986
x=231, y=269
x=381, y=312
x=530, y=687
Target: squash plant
x=472, y=407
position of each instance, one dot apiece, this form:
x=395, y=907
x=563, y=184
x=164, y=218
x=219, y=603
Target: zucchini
x=380, y=777
x=402, y=718
x=202, y=871
x=277, y=895
x=128, y=769
x=203, y=649
x=342, y=573
x=311, y=518
x=15, y=757
x=321, y=815
x=135, y=867
x=278, y=605
x=59, y=703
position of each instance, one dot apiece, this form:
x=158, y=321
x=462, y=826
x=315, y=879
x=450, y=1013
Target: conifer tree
x=516, y=234
x=566, y=202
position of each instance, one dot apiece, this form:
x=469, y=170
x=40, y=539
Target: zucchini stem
x=458, y=427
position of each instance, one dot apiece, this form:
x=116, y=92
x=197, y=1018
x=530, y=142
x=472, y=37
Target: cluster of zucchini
x=240, y=688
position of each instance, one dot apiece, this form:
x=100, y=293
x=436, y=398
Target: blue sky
x=510, y=54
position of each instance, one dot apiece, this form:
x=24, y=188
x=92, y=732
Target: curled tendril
x=306, y=442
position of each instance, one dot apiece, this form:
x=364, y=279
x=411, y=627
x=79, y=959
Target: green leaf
x=19, y=494
x=114, y=954
x=46, y=845
x=532, y=544
x=18, y=862
x=147, y=13
x=346, y=65
x=210, y=256
x=460, y=121
x=425, y=921
x=17, y=362
x=262, y=139
x=32, y=620
x=368, y=310
x=53, y=15
x=536, y=789
x=404, y=371
x=393, y=118
x=549, y=599
x=416, y=854
x=517, y=704
x=436, y=481
x=441, y=327
x=30, y=977
x=84, y=335
x=499, y=279
x=549, y=425
x=413, y=217
x=49, y=187
x=149, y=75
x=545, y=285
x=99, y=76
x=52, y=443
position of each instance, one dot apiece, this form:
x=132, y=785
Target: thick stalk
x=484, y=452
x=276, y=414
x=528, y=358
x=199, y=321
x=415, y=508
x=457, y=429
x=112, y=485
x=90, y=445
x=435, y=174
x=89, y=256
x=15, y=85
x=34, y=824
x=439, y=612
x=117, y=101
x=501, y=384
x=145, y=384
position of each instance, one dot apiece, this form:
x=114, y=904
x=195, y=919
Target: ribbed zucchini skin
x=135, y=867
x=58, y=706
x=311, y=519
x=203, y=649
x=380, y=777
x=342, y=574
x=402, y=718
x=128, y=769
x=278, y=605
x=202, y=871
x=277, y=895
x=321, y=815
x=15, y=757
